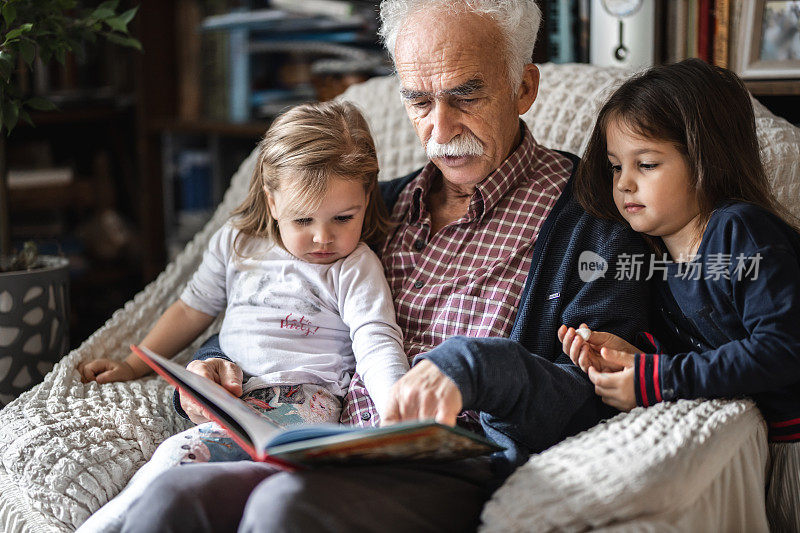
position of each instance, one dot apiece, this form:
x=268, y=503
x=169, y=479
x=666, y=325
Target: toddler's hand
x=106, y=371
x=218, y=370
x=615, y=388
x=585, y=352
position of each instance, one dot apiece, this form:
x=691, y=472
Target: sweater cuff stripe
x=656, y=385
x=643, y=381
x=651, y=340
x=785, y=430
x=785, y=423
x=794, y=437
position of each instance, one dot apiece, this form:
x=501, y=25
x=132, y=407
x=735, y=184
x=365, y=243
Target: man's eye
x=420, y=104
x=467, y=101
x=302, y=221
x=343, y=218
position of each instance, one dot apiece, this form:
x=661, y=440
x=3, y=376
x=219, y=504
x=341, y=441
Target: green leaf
x=23, y=115
x=118, y=24
x=129, y=14
x=109, y=4
x=16, y=32
x=27, y=50
x=124, y=41
x=40, y=104
x=61, y=55
x=10, y=114
x=6, y=65
x=9, y=13
x=105, y=10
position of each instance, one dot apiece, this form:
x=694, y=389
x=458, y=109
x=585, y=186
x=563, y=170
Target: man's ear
x=528, y=89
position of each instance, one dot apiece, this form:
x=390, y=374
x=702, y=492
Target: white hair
x=517, y=20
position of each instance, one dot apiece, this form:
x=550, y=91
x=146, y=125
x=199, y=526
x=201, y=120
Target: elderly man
x=483, y=266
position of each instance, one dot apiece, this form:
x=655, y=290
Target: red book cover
x=705, y=28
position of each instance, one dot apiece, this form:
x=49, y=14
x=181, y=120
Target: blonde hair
x=304, y=149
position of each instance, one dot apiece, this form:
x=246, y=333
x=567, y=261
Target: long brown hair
x=304, y=149
x=706, y=112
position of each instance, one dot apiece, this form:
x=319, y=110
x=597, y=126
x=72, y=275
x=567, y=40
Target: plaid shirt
x=468, y=278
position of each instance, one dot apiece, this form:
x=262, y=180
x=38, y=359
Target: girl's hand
x=586, y=352
x=615, y=388
x=106, y=371
x=218, y=370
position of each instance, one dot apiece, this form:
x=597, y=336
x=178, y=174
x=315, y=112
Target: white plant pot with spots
x=33, y=324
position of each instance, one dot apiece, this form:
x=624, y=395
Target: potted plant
x=34, y=289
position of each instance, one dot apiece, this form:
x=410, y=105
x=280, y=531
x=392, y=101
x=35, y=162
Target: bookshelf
x=224, y=70
x=73, y=181
x=186, y=101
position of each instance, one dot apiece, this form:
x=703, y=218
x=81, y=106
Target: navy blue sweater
x=529, y=394
x=735, y=330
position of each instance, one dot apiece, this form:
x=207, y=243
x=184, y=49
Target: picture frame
x=769, y=37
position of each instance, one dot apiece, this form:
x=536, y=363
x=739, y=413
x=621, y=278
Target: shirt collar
x=488, y=192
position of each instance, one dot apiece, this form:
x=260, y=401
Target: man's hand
x=586, y=352
x=218, y=370
x=615, y=388
x=424, y=393
x=106, y=371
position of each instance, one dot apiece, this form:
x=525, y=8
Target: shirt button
x=365, y=416
x=419, y=244
x=418, y=284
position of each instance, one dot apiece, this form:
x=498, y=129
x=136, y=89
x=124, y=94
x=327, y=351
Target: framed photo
x=769, y=36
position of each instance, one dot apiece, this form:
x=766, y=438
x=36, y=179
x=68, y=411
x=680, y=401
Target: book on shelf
x=722, y=11
x=705, y=29
x=691, y=29
x=330, y=8
x=560, y=31
x=319, y=444
x=677, y=12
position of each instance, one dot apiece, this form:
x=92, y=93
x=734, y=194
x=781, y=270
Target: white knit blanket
x=66, y=448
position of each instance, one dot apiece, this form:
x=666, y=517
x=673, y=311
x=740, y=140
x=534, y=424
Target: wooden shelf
x=76, y=195
x=208, y=127
x=773, y=87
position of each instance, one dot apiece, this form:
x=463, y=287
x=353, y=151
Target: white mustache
x=465, y=144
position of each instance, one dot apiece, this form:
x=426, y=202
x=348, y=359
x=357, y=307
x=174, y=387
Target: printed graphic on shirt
x=302, y=324
x=262, y=289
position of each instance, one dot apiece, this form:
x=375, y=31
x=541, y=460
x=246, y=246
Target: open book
x=307, y=445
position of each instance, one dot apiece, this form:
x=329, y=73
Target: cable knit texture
x=66, y=447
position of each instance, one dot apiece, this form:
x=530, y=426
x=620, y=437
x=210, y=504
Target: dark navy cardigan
x=734, y=331
x=529, y=394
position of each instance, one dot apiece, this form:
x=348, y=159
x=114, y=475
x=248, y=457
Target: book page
x=408, y=441
x=234, y=414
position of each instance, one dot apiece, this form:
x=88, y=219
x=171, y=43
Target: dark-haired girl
x=674, y=154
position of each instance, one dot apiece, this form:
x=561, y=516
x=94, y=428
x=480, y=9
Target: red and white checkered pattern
x=468, y=278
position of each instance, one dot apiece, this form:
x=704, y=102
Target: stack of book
x=703, y=28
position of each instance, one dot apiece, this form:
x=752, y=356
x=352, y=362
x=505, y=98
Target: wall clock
x=621, y=9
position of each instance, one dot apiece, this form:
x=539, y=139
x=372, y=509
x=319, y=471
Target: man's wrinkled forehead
x=432, y=54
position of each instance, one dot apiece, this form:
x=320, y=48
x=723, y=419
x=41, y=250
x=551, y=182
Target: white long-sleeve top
x=288, y=321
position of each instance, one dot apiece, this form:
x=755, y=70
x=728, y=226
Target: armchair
x=67, y=447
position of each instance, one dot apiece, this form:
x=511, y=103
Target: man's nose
x=446, y=123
